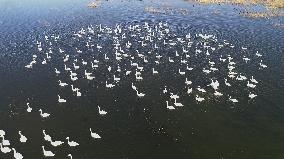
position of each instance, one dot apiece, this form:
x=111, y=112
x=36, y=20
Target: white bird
x=177, y=104
x=187, y=82
x=189, y=90
x=78, y=93
x=4, y=141
x=251, y=95
x=72, y=143
x=140, y=94
x=62, y=84
x=133, y=87
x=251, y=85
x=22, y=137
x=226, y=83
x=201, y=89
x=181, y=72
x=2, y=133
x=199, y=99
x=69, y=155
x=216, y=93
x=47, y=153
x=46, y=136
x=4, y=149
x=101, y=112
x=154, y=72
x=29, y=109
x=56, y=71
x=253, y=80
x=233, y=99
x=56, y=143
x=214, y=84
x=17, y=155
x=169, y=106
x=94, y=135
x=43, y=115
x=61, y=100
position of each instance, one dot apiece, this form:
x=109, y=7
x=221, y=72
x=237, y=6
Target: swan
x=187, y=82
x=89, y=77
x=251, y=85
x=56, y=71
x=251, y=95
x=127, y=73
x=62, y=84
x=253, y=80
x=165, y=90
x=110, y=85
x=116, y=78
x=73, y=88
x=46, y=137
x=4, y=149
x=201, y=89
x=2, y=133
x=22, y=137
x=75, y=66
x=29, y=109
x=87, y=73
x=226, y=83
x=173, y=96
x=101, y=112
x=69, y=155
x=199, y=99
x=216, y=93
x=214, y=84
x=94, y=135
x=154, y=72
x=4, y=141
x=258, y=54
x=72, y=143
x=133, y=87
x=43, y=115
x=79, y=94
x=189, y=91
x=177, y=104
x=140, y=94
x=169, y=106
x=47, y=153
x=233, y=100
x=181, y=72
x=17, y=155
x=56, y=143
x=61, y=100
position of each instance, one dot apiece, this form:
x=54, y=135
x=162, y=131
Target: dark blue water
x=138, y=127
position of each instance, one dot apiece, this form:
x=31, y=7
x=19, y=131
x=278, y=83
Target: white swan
x=29, y=109
x=43, y=115
x=46, y=137
x=72, y=143
x=4, y=149
x=61, y=100
x=22, y=137
x=17, y=155
x=47, y=153
x=101, y=112
x=94, y=135
x=169, y=106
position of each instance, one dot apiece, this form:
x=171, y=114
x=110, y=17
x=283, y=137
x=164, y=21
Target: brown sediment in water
x=265, y=14
x=268, y=3
x=94, y=4
x=166, y=10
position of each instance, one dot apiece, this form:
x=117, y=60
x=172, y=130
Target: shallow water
x=138, y=127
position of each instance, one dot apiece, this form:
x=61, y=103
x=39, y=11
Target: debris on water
x=94, y=4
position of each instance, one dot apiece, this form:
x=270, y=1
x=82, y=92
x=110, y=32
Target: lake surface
x=136, y=127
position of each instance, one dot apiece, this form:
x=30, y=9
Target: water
x=138, y=127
